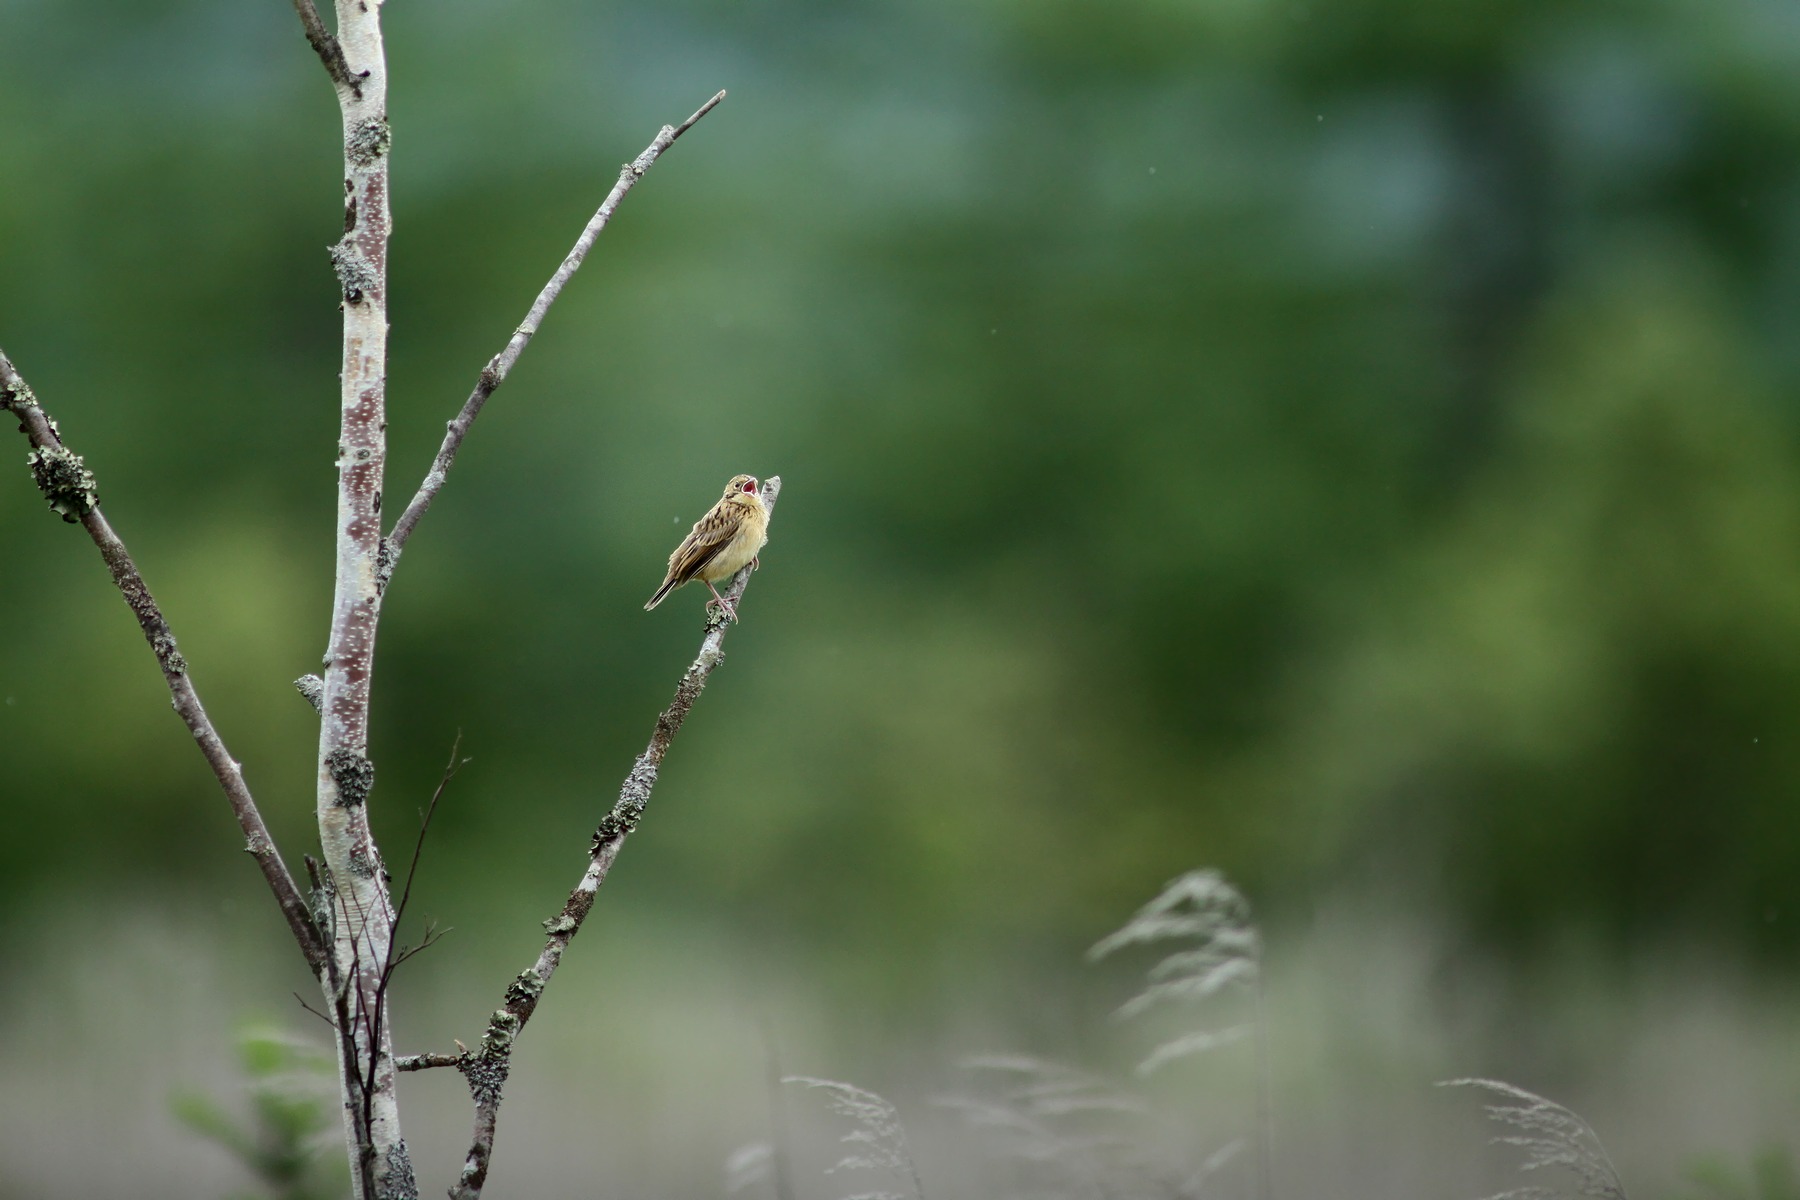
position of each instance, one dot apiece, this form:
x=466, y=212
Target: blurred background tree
x=1347, y=444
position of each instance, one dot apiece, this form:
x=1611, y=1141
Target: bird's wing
x=711, y=534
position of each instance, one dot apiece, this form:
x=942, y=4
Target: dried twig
x=498, y=367
x=486, y=1069
x=69, y=487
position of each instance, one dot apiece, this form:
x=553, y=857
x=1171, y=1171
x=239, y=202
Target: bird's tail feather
x=668, y=586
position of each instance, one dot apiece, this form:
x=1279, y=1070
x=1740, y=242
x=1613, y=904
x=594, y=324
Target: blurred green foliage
x=288, y=1142
x=1770, y=1177
x=1348, y=444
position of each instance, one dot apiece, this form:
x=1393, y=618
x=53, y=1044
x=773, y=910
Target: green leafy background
x=1350, y=444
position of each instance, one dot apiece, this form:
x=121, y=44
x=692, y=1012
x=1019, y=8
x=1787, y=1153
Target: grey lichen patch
x=162, y=643
x=322, y=897
x=397, y=1181
x=561, y=923
x=623, y=818
x=354, y=775
x=66, y=483
x=638, y=784
x=368, y=141
x=486, y=1076
x=356, y=275
x=363, y=864
x=385, y=557
x=313, y=689
x=629, y=810
x=17, y=399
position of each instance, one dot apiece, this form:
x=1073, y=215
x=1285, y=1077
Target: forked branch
x=70, y=488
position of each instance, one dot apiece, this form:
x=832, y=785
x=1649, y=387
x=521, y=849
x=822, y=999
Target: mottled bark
x=361, y=913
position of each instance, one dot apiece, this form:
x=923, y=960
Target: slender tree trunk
x=360, y=911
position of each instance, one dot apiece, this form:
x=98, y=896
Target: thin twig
x=375, y=1020
x=498, y=367
x=309, y=1008
x=69, y=486
x=412, y=868
x=431, y=937
x=486, y=1069
x=425, y=1062
x=330, y=53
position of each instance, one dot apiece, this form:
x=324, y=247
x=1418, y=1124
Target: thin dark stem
x=364, y=1014
x=326, y=45
x=393, y=958
x=309, y=1008
x=69, y=486
x=486, y=1069
x=498, y=367
x=779, y=1139
x=431, y=937
x=412, y=868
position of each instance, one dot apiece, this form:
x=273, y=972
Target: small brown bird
x=720, y=543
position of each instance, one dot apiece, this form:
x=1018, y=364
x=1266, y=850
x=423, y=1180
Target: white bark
x=361, y=913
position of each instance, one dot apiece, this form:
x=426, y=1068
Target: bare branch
x=498, y=367
x=425, y=1062
x=69, y=486
x=330, y=53
x=486, y=1069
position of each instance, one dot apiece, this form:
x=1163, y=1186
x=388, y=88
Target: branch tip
x=698, y=113
x=494, y=373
